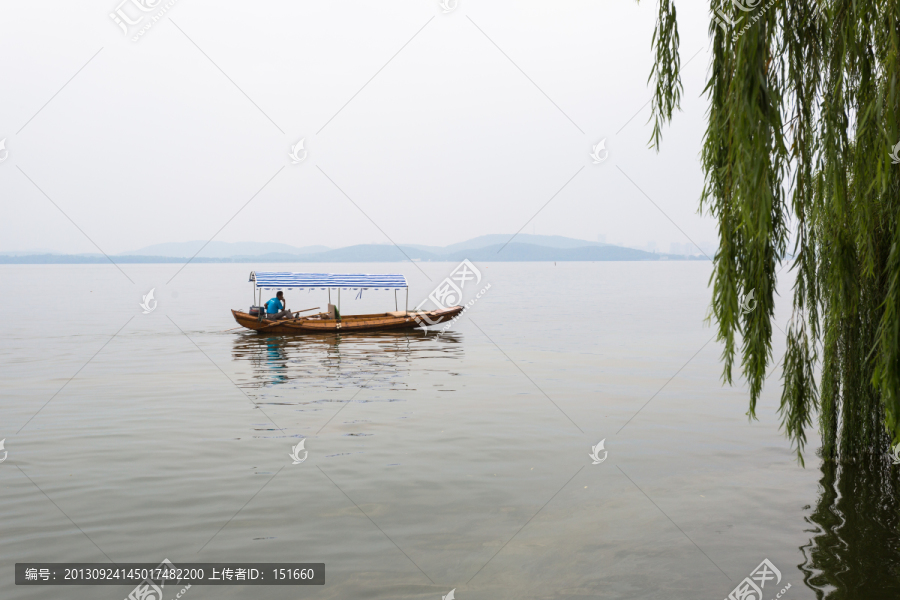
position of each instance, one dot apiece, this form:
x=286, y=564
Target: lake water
x=446, y=462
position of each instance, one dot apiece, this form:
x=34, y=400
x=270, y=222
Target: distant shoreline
x=487, y=248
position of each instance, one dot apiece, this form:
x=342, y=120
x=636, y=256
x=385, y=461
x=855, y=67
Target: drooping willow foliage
x=803, y=121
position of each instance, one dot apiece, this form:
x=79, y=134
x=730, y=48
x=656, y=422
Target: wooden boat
x=320, y=323
x=333, y=321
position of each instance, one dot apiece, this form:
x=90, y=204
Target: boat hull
x=347, y=324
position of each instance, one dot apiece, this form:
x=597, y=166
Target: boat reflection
x=855, y=552
x=276, y=360
x=375, y=359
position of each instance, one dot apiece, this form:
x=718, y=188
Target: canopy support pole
x=395, y=300
x=407, y=299
x=339, y=299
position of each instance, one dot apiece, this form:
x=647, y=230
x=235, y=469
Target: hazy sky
x=438, y=126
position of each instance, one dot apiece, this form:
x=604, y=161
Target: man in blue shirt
x=276, y=308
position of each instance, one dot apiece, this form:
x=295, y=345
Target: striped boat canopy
x=287, y=280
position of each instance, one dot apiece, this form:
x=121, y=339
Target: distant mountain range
x=486, y=248
x=548, y=241
x=216, y=249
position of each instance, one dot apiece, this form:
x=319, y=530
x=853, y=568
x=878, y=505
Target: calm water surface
x=460, y=461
